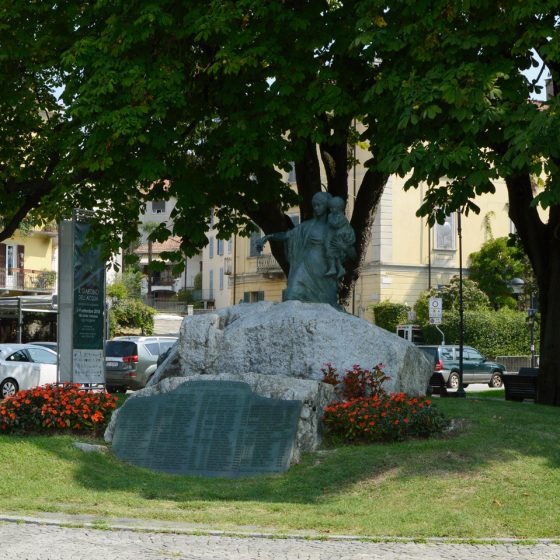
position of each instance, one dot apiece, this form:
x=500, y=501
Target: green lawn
x=498, y=476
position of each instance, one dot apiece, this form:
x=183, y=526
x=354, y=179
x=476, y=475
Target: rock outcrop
x=293, y=339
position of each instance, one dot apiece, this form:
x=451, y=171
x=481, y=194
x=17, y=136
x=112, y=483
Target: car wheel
x=496, y=381
x=453, y=381
x=8, y=387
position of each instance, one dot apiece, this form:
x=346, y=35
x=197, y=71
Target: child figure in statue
x=340, y=239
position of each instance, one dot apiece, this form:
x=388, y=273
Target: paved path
x=37, y=541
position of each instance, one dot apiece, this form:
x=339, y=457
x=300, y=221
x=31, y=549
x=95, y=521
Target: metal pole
x=429, y=257
x=234, y=269
x=19, y=321
x=461, y=389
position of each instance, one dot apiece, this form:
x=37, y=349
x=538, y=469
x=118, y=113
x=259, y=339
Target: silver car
x=130, y=361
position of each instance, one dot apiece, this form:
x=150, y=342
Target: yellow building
x=404, y=257
x=28, y=262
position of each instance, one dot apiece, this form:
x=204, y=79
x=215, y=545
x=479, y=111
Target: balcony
x=22, y=279
x=268, y=266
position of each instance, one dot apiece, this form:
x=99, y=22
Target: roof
x=171, y=244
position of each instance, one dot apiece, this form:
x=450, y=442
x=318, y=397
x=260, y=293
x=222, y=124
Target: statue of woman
x=305, y=249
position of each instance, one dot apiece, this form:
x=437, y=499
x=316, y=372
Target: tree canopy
x=494, y=267
x=207, y=100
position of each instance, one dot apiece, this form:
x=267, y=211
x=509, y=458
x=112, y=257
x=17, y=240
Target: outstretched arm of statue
x=280, y=236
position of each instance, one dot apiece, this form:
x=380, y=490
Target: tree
x=205, y=102
x=463, y=119
x=495, y=266
x=473, y=298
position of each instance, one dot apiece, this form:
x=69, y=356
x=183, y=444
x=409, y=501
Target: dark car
x=130, y=361
x=476, y=368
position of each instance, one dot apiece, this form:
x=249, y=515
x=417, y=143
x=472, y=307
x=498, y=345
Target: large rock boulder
x=293, y=339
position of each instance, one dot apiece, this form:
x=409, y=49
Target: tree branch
x=308, y=178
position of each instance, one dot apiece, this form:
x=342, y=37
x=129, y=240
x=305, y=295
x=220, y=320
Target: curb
x=156, y=526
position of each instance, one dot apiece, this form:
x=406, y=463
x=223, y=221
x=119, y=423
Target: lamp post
x=461, y=389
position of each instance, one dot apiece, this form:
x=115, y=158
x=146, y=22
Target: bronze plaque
x=207, y=428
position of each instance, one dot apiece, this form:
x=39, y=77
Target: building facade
x=404, y=258
x=28, y=262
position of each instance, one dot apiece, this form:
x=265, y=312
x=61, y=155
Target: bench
x=522, y=385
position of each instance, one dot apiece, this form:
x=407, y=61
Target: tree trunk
x=542, y=244
x=549, y=362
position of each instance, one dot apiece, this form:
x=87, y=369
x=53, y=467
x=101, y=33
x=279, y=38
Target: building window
x=211, y=247
x=253, y=297
x=221, y=278
x=220, y=247
x=158, y=206
x=444, y=234
x=211, y=285
x=230, y=245
x=255, y=236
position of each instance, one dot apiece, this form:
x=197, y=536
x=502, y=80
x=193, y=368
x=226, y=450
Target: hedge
x=494, y=333
x=388, y=315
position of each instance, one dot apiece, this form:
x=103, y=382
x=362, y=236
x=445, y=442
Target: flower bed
x=367, y=413
x=56, y=408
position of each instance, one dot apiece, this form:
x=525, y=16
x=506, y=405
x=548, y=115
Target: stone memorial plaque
x=207, y=428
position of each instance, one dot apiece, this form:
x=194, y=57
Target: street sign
x=435, y=309
x=435, y=320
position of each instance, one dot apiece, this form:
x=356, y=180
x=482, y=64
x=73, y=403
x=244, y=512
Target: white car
x=24, y=366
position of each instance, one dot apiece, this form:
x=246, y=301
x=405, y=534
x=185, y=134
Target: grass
x=498, y=476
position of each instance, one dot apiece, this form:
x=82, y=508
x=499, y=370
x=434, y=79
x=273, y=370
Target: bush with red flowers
x=367, y=413
x=356, y=382
x=56, y=408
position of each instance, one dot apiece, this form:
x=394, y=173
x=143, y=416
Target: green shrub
x=473, y=298
x=494, y=333
x=126, y=286
x=55, y=408
x=131, y=314
x=388, y=315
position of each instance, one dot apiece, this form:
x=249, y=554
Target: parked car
x=47, y=344
x=130, y=361
x=476, y=368
x=24, y=366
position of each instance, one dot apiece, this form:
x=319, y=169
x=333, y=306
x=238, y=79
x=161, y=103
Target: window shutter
x=20, y=256
x=260, y=296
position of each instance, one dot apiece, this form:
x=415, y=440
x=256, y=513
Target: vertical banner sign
x=89, y=308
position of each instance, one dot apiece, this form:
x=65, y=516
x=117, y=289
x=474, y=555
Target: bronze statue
x=313, y=248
